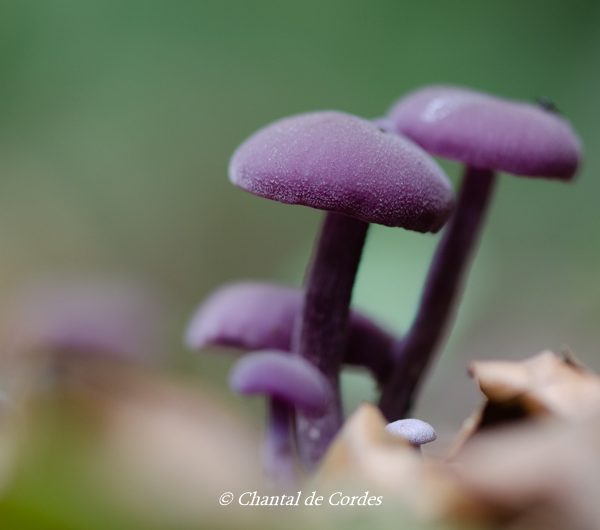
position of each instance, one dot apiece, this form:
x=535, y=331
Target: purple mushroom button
x=289, y=383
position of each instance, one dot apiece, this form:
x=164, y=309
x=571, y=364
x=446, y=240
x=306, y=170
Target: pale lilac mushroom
x=358, y=174
x=416, y=432
x=487, y=134
x=256, y=316
x=289, y=382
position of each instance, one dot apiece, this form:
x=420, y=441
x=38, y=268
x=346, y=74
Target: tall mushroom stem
x=414, y=352
x=321, y=333
x=278, y=455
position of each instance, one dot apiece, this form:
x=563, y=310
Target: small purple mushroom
x=417, y=432
x=487, y=134
x=358, y=174
x=289, y=382
x=257, y=316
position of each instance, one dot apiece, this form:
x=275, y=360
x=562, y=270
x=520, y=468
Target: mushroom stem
x=414, y=352
x=278, y=458
x=321, y=333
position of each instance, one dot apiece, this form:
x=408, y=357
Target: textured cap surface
x=417, y=432
x=338, y=162
x=286, y=377
x=488, y=132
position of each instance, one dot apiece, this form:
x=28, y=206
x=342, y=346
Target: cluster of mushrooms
x=360, y=172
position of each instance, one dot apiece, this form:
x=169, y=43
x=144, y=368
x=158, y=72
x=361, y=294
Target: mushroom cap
x=245, y=315
x=285, y=377
x=417, y=432
x=107, y=315
x=488, y=132
x=338, y=162
x=258, y=316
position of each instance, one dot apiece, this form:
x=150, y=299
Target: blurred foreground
x=89, y=441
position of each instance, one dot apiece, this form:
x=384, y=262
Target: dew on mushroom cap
x=341, y=163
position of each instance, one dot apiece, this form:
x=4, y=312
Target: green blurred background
x=117, y=120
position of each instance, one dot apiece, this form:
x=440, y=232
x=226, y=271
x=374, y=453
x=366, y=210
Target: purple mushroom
x=256, y=316
x=107, y=316
x=358, y=174
x=290, y=383
x=417, y=432
x=487, y=134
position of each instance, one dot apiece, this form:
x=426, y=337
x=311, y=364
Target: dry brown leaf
x=540, y=386
x=545, y=383
x=542, y=475
x=542, y=472
x=366, y=456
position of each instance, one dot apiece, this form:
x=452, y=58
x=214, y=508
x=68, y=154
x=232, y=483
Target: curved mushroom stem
x=414, y=352
x=278, y=454
x=371, y=348
x=321, y=333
